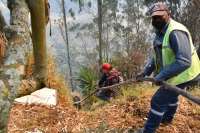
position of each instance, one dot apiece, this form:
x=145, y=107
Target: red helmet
x=106, y=66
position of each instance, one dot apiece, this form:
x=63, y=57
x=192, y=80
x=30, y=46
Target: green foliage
x=4, y=112
x=72, y=13
x=136, y=90
x=83, y=3
x=5, y=93
x=88, y=79
x=88, y=82
x=97, y=103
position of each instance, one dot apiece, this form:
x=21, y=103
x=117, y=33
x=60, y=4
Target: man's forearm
x=174, y=69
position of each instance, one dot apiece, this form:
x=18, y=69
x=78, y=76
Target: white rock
x=44, y=96
x=21, y=69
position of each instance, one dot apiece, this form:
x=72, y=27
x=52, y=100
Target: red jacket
x=113, y=77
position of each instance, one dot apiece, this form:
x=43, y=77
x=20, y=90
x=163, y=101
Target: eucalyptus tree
x=38, y=24
x=100, y=27
x=132, y=30
x=190, y=16
x=18, y=50
x=101, y=20
x=66, y=39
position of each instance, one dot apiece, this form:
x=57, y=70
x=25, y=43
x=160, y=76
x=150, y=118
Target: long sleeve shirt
x=103, y=80
x=179, y=43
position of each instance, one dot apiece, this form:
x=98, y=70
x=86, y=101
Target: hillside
x=125, y=112
x=51, y=49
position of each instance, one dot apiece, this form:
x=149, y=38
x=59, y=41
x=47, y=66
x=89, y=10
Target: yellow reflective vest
x=168, y=56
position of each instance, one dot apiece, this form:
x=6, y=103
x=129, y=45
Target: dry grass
x=53, y=80
x=56, y=81
x=120, y=114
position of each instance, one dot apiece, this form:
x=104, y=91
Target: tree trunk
x=80, y=5
x=107, y=43
x=2, y=22
x=17, y=51
x=38, y=24
x=67, y=44
x=99, y=5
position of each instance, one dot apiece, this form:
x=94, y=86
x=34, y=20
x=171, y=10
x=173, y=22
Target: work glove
x=139, y=77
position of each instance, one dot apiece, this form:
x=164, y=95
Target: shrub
x=87, y=80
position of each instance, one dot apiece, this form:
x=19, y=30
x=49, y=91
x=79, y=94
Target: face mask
x=159, y=25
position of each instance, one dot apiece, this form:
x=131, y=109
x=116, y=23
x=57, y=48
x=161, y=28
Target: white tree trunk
x=19, y=46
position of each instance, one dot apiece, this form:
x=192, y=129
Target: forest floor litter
x=114, y=117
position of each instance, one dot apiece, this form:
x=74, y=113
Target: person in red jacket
x=110, y=76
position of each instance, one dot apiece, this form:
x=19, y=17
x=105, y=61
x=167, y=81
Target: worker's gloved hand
x=158, y=82
x=139, y=77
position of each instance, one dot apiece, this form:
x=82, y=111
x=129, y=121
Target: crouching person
x=110, y=76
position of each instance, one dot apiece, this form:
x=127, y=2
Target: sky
x=55, y=11
x=4, y=10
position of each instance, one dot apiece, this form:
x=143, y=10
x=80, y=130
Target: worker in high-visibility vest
x=174, y=60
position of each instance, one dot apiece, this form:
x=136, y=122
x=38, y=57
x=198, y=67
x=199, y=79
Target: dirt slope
x=116, y=116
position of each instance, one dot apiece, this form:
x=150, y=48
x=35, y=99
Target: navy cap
x=158, y=9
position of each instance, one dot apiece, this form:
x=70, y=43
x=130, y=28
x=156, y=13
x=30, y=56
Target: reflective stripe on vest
x=168, y=56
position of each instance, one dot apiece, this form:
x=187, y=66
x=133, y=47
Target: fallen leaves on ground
x=117, y=116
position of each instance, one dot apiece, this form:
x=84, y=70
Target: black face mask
x=159, y=25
